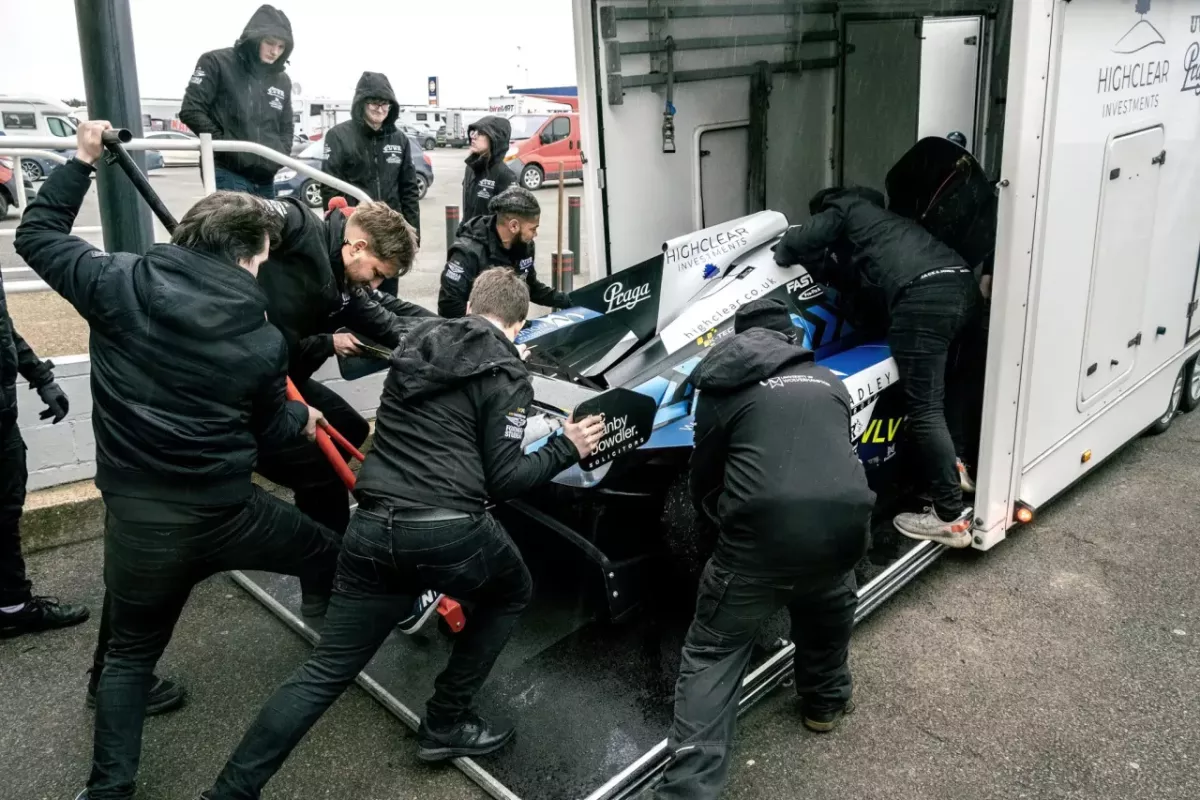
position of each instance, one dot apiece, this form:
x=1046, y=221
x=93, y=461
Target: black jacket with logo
x=477, y=248
x=233, y=95
x=488, y=176
x=450, y=425
x=377, y=161
x=188, y=377
x=877, y=251
x=17, y=357
x=308, y=297
x=773, y=460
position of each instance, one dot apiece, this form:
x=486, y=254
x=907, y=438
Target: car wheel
x=1191, y=386
x=1162, y=423
x=429, y=144
x=532, y=177
x=311, y=191
x=422, y=187
x=32, y=169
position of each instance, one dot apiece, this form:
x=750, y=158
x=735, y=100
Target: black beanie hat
x=770, y=313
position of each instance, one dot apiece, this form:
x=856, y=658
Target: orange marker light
x=1024, y=515
x=1086, y=457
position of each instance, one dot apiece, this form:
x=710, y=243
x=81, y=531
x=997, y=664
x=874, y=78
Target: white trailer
x=1088, y=113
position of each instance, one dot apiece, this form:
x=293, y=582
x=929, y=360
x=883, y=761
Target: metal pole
x=561, y=270
x=573, y=214
x=19, y=177
x=110, y=80
x=452, y=217
x=559, y=229
x=208, y=172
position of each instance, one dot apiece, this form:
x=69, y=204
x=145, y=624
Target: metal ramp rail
x=602, y=692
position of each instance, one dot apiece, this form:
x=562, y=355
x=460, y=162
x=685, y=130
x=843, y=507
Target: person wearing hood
x=503, y=238
x=793, y=516
x=448, y=438
x=320, y=283
x=370, y=152
x=243, y=93
x=188, y=382
x=486, y=175
x=931, y=300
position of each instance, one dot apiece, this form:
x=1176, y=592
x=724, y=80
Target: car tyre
x=1177, y=391
x=532, y=177
x=429, y=144
x=32, y=169
x=422, y=186
x=311, y=192
x=1191, y=386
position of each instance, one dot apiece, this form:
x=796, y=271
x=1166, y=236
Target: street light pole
x=110, y=79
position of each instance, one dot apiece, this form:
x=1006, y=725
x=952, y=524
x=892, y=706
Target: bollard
x=452, y=218
x=573, y=212
x=562, y=271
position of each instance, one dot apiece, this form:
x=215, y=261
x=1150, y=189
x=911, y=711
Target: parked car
x=442, y=139
x=37, y=168
x=8, y=186
x=428, y=139
x=175, y=158
x=540, y=143
x=288, y=182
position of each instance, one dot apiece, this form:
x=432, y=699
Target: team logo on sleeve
x=454, y=271
x=515, y=424
x=278, y=207
x=197, y=77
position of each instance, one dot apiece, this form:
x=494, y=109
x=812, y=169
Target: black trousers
x=303, y=468
x=154, y=553
x=730, y=609
x=383, y=564
x=927, y=324
x=14, y=586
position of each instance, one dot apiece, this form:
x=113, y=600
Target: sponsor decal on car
x=620, y=298
x=701, y=251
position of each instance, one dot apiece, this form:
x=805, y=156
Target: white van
x=35, y=116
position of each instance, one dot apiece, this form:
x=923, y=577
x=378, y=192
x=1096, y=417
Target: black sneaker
x=313, y=605
x=826, y=721
x=424, y=607
x=164, y=696
x=471, y=737
x=41, y=614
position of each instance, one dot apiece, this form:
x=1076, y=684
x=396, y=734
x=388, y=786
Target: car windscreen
x=526, y=125
x=315, y=150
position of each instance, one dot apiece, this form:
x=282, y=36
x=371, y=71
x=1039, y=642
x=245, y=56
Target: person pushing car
x=931, y=298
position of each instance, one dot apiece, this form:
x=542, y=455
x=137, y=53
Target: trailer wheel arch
x=1178, y=390
x=1191, y=385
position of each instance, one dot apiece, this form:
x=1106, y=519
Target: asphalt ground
x=1062, y=665
x=53, y=328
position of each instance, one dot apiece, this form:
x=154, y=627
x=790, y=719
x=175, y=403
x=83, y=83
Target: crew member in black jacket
x=243, y=93
x=20, y=610
x=931, y=298
x=321, y=277
x=188, y=382
x=370, y=152
x=503, y=238
x=486, y=175
x=448, y=437
x=774, y=466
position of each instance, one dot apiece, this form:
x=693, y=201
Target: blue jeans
x=154, y=553
x=232, y=182
x=383, y=564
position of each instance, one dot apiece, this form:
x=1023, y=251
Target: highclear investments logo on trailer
x=1132, y=85
x=1143, y=34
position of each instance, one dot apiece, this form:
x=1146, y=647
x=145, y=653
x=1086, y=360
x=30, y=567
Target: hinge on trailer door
x=1192, y=308
x=1160, y=159
x=1135, y=341
x=600, y=178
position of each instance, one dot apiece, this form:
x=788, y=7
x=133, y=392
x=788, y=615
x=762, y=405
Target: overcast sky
x=475, y=47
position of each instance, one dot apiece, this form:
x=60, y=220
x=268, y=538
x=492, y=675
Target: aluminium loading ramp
x=592, y=700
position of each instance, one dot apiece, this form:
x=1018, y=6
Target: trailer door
x=1120, y=265
x=724, y=156
x=949, y=77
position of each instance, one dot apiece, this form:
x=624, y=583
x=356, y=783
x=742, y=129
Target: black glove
x=56, y=402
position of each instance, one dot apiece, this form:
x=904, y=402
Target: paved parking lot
x=54, y=329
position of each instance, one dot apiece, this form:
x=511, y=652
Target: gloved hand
x=56, y=402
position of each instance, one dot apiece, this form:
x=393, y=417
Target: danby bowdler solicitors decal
x=628, y=423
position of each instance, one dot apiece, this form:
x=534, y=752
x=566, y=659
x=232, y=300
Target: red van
x=540, y=143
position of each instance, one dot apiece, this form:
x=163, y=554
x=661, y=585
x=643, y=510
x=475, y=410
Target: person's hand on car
x=585, y=434
x=346, y=344
x=88, y=143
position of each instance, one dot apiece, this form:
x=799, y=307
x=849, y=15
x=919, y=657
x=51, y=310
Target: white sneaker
x=424, y=607
x=964, y=477
x=928, y=525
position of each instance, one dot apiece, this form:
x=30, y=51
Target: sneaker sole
x=820, y=726
x=420, y=621
x=14, y=631
x=956, y=541
x=434, y=754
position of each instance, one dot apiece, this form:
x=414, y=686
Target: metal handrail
x=202, y=145
x=45, y=146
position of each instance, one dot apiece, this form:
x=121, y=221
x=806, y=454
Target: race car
x=632, y=342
